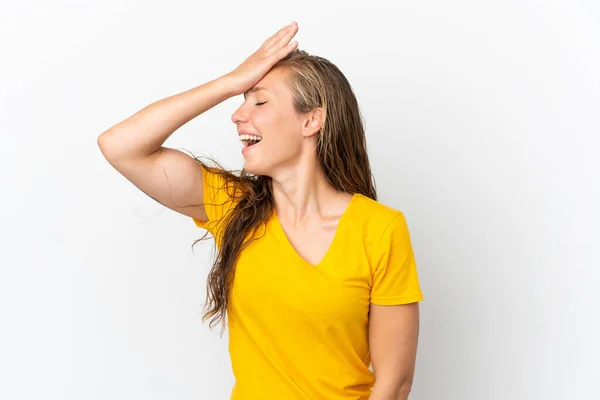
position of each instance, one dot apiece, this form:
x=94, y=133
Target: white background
x=482, y=121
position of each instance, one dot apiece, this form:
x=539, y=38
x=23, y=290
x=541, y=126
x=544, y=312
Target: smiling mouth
x=249, y=139
x=248, y=143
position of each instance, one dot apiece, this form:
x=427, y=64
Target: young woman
x=317, y=279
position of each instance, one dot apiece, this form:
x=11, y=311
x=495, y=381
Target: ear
x=313, y=122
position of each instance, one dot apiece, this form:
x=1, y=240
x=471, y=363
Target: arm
x=134, y=148
x=393, y=337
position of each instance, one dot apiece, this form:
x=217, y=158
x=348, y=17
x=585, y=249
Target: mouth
x=250, y=140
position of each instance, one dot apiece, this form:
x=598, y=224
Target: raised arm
x=134, y=147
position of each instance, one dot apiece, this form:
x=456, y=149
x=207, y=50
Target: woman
x=317, y=279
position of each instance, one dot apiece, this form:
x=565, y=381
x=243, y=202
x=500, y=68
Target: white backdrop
x=482, y=120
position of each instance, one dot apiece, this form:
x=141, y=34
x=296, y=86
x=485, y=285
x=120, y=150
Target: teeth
x=250, y=137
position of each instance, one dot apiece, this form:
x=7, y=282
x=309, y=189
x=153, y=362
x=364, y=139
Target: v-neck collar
x=281, y=232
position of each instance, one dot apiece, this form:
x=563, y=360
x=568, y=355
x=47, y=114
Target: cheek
x=268, y=121
x=280, y=129
x=284, y=147
x=285, y=136
x=270, y=125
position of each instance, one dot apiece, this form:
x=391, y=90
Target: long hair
x=342, y=152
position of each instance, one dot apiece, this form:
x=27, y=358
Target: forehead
x=255, y=89
x=273, y=82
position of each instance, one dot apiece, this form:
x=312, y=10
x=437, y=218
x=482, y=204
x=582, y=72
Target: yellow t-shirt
x=299, y=331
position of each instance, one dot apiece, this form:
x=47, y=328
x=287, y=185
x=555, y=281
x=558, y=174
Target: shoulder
x=375, y=217
x=378, y=225
x=219, y=181
x=384, y=233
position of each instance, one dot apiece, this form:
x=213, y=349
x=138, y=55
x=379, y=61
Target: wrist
x=229, y=85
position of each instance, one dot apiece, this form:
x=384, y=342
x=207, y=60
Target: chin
x=253, y=168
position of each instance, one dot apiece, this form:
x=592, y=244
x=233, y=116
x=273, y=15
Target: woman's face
x=268, y=112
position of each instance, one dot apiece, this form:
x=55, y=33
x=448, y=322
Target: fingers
x=270, y=40
x=287, y=34
x=287, y=49
x=279, y=39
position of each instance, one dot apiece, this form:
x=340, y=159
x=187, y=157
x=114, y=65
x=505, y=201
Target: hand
x=252, y=70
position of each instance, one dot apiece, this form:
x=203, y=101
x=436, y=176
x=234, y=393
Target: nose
x=239, y=116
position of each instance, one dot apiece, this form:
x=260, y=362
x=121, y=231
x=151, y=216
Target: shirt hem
x=388, y=301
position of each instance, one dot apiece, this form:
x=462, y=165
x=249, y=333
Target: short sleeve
x=395, y=278
x=218, y=200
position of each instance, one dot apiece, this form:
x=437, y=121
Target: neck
x=302, y=192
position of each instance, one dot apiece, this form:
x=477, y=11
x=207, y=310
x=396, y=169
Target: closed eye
x=260, y=104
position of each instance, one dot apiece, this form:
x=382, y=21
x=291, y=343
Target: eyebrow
x=254, y=89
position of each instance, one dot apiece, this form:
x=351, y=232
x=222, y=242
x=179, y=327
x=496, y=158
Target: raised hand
x=255, y=67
